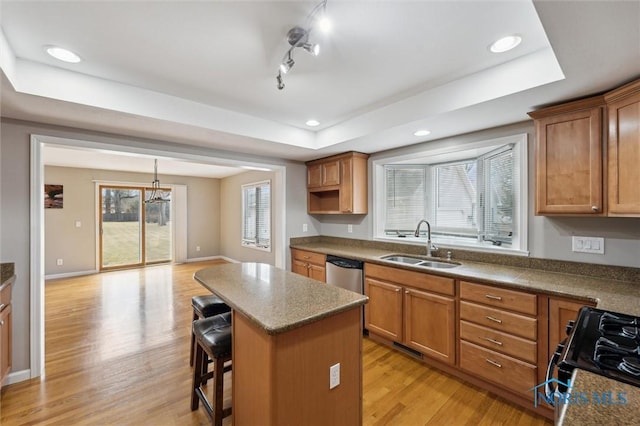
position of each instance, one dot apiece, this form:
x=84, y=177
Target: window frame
x=254, y=244
x=452, y=154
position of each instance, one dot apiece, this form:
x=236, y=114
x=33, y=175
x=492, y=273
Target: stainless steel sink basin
x=416, y=261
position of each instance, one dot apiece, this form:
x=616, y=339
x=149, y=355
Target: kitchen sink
x=416, y=261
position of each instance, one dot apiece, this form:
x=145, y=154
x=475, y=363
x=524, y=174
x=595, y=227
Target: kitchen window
x=472, y=197
x=256, y=215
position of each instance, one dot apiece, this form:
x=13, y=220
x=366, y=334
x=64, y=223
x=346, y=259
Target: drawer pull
x=495, y=364
x=492, y=297
x=499, y=321
x=2, y=322
x=306, y=257
x=397, y=290
x=495, y=342
x=2, y=306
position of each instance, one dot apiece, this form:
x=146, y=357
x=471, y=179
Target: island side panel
x=299, y=362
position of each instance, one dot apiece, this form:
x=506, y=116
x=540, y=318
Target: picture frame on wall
x=53, y=198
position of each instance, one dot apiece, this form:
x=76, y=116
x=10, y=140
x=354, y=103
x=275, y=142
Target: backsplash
x=621, y=273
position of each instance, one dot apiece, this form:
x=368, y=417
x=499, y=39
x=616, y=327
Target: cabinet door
x=430, y=324
x=569, y=163
x=560, y=313
x=317, y=272
x=624, y=157
x=346, y=189
x=383, y=313
x=5, y=342
x=300, y=267
x=331, y=173
x=314, y=176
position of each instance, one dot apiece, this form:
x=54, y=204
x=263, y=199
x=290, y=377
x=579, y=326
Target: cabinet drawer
x=517, y=347
x=500, y=320
x=501, y=369
x=310, y=257
x=413, y=279
x=499, y=297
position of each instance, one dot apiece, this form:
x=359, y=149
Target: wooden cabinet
x=568, y=158
x=623, y=150
x=561, y=311
x=580, y=167
x=499, y=335
x=5, y=331
x=309, y=264
x=412, y=308
x=337, y=184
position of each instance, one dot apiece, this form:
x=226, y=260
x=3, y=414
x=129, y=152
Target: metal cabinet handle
x=406, y=292
x=306, y=257
x=499, y=321
x=396, y=290
x=594, y=208
x=1, y=322
x=494, y=363
x=2, y=306
x=492, y=297
x=495, y=342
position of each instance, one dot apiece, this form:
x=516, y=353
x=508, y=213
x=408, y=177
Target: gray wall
x=549, y=237
x=15, y=208
x=77, y=246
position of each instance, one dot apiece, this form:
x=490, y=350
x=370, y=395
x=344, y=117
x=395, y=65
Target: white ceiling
x=203, y=73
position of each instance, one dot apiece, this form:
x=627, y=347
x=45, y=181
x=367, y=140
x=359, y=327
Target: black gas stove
x=602, y=342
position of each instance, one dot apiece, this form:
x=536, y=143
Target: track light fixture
x=299, y=37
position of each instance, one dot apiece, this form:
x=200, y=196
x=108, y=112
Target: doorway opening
x=134, y=232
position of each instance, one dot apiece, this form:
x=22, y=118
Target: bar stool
x=213, y=341
x=205, y=307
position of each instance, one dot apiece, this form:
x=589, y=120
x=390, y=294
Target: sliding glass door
x=132, y=232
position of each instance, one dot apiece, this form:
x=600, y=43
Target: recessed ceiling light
x=505, y=43
x=313, y=123
x=422, y=133
x=62, y=54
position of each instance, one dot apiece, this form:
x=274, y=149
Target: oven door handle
x=551, y=389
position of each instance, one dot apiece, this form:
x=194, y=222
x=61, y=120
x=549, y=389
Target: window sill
x=446, y=243
x=254, y=247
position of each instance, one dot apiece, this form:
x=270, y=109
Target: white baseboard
x=202, y=259
x=69, y=274
x=17, y=376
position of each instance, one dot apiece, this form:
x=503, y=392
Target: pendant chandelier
x=156, y=192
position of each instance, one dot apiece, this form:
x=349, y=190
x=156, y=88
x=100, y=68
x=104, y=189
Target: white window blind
x=472, y=199
x=405, y=198
x=256, y=214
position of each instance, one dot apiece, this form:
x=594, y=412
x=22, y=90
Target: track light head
x=313, y=49
x=287, y=64
x=280, y=84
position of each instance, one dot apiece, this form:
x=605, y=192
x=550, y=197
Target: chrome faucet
x=417, y=234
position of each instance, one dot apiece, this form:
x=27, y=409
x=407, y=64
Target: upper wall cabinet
x=623, y=150
x=568, y=158
x=580, y=168
x=337, y=184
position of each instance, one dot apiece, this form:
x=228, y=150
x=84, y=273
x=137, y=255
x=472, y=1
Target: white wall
x=549, y=237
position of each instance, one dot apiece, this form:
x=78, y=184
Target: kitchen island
x=288, y=331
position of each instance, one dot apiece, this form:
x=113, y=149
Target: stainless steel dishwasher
x=345, y=273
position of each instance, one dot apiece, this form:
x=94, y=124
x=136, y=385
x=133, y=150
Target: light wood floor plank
x=117, y=349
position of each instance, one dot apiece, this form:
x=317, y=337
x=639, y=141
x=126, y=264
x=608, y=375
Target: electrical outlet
x=305, y=228
x=594, y=245
x=78, y=224
x=349, y=228
x=334, y=375
x=197, y=248
x=59, y=262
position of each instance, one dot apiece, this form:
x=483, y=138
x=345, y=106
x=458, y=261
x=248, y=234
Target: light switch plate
x=334, y=375
x=594, y=245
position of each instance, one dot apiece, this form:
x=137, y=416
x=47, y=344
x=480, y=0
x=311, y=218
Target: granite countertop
x=7, y=271
x=274, y=299
x=609, y=294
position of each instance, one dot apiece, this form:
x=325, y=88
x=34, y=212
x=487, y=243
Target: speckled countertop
x=609, y=294
x=274, y=299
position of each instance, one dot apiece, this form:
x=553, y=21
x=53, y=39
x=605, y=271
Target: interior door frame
x=36, y=220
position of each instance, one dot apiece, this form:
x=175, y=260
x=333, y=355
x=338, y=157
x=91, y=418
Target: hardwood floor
x=117, y=349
